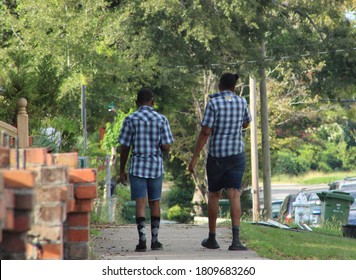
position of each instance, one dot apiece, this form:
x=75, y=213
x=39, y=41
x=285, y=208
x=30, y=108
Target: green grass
x=313, y=177
x=279, y=244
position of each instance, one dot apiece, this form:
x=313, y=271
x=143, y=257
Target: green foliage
x=246, y=202
x=288, y=162
x=179, y=196
x=329, y=158
x=113, y=131
x=50, y=48
x=179, y=214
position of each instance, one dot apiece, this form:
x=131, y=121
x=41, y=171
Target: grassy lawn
x=280, y=244
x=314, y=177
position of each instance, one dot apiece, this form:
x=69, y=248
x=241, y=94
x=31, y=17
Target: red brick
x=10, y=219
x=24, y=201
x=52, y=252
x=78, y=220
x=18, y=179
x=70, y=191
x=22, y=221
x=54, y=175
x=85, y=191
x=76, y=235
x=51, y=194
x=84, y=205
x=70, y=205
x=33, y=252
x=13, y=242
x=2, y=210
x=36, y=156
x=4, y=157
x=9, y=198
x=49, y=159
x=76, y=251
x=1, y=184
x=85, y=175
x=68, y=159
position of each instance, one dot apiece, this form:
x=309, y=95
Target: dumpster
x=224, y=208
x=301, y=209
x=335, y=206
x=129, y=212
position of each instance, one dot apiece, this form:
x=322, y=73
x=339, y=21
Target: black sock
x=141, y=228
x=212, y=236
x=155, y=221
x=235, y=234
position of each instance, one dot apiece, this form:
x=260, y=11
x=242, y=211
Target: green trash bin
x=335, y=206
x=224, y=208
x=129, y=212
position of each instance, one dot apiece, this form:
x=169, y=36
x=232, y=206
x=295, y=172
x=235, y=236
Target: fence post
x=22, y=124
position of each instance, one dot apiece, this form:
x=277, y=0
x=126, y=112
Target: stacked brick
x=58, y=202
x=17, y=205
x=77, y=226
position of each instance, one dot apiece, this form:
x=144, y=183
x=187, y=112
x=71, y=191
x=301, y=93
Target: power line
x=268, y=59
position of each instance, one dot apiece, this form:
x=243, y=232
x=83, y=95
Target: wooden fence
x=11, y=136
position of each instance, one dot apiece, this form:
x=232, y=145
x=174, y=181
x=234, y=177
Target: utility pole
x=84, y=119
x=254, y=153
x=266, y=161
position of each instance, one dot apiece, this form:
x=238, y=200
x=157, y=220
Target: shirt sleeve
x=208, y=119
x=167, y=137
x=125, y=137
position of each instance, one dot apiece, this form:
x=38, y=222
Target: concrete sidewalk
x=181, y=242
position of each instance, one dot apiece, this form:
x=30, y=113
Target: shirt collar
x=221, y=93
x=145, y=108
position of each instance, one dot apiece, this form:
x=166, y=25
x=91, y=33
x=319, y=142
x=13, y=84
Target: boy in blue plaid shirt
x=226, y=114
x=148, y=134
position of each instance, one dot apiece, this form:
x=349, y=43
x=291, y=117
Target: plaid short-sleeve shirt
x=146, y=130
x=225, y=113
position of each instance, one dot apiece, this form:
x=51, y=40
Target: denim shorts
x=146, y=187
x=226, y=172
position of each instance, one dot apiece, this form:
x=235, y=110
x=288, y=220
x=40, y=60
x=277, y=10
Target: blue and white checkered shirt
x=146, y=130
x=225, y=113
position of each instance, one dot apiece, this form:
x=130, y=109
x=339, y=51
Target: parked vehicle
x=276, y=207
x=352, y=213
x=342, y=185
x=285, y=214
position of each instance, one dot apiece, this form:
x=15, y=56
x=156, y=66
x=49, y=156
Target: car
x=276, y=207
x=352, y=213
x=287, y=211
x=285, y=214
x=343, y=185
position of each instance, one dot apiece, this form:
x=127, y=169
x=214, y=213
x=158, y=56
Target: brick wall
x=45, y=205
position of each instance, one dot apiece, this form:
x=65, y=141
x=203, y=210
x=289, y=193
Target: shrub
x=179, y=214
x=180, y=196
x=289, y=163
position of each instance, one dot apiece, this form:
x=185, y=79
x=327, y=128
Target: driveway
x=181, y=242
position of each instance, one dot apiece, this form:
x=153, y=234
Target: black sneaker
x=210, y=244
x=237, y=246
x=156, y=246
x=141, y=246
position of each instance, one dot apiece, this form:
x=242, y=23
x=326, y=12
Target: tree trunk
x=200, y=196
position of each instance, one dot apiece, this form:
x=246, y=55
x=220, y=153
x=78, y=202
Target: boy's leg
x=213, y=209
